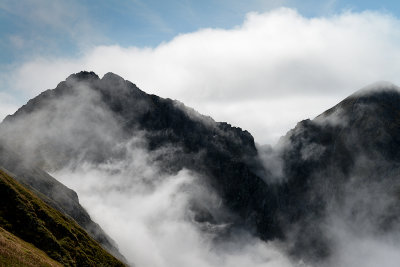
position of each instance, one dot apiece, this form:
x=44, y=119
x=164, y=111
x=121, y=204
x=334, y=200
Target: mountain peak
x=376, y=87
x=82, y=76
x=112, y=76
x=378, y=94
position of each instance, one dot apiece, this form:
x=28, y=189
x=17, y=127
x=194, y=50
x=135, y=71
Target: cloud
x=153, y=227
x=265, y=68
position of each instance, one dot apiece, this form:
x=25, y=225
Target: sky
x=259, y=65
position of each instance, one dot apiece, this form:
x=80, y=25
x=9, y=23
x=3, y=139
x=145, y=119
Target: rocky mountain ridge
x=333, y=166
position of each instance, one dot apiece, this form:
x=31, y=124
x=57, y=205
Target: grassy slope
x=16, y=252
x=25, y=215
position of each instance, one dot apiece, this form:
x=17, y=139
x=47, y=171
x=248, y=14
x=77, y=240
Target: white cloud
x=265, y=75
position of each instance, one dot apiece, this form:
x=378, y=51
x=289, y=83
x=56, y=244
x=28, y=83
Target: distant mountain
x=332, y=168
x=26, y=216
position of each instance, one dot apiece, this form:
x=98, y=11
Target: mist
x=163, y=216
x=149, y=215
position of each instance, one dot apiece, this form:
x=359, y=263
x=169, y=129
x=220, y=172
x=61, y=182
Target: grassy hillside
x=15, y=252
x=25, y=215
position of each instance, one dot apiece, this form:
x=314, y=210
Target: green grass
x=15, y=252
x=25, y=215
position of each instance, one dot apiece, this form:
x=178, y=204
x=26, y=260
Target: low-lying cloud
x=278, y=67
x=149, y=216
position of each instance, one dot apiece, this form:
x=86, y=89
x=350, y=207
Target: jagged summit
x=127, y=104
x=108, y=82
x=82, y=76
x=110, y=76
x=91, y=76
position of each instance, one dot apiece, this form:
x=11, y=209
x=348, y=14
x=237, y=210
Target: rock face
x=336, y=165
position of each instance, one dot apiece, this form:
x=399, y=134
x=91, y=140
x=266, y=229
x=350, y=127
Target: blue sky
x=31, y=28
x=280, y=60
